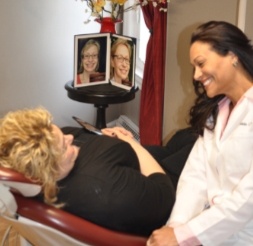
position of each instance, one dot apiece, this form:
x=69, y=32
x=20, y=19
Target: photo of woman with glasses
x=88, y=70
x=121, y=56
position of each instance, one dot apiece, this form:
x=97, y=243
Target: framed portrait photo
x=123, y=58
x=104, y=58
x=91, y=59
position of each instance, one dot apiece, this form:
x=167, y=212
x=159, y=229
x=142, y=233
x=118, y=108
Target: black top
x=173, y=156
x=106, y=187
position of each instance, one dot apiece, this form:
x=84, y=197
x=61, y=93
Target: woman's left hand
x=119, y=132
x=148, y=165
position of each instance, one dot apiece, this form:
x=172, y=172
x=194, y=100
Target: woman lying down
x=110, y=180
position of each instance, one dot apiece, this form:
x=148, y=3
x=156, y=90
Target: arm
x=191, y=198
x=192, y=187
x=230, y=215
x=227, y=216
x=148, y=164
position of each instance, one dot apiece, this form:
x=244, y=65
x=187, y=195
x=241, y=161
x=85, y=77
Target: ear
x=232, y=55
x=112, y=62
x=234, y=58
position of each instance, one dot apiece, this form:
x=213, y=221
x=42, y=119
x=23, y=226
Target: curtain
x=152, y=93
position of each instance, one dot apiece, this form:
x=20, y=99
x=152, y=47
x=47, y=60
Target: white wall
x=183, y=17
x=37, y=55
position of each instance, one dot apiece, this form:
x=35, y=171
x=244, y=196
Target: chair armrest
x=74, y=226
x=67, y=223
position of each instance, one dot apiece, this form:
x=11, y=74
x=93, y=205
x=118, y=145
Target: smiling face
x=215, y=72
x=121, y=63
x=90, y=58
x=69, y=152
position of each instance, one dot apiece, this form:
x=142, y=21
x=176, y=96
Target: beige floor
x=13, y=237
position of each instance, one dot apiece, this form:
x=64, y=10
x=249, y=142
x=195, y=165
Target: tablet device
x=87, y=126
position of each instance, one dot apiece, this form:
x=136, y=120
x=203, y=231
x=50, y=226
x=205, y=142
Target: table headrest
x=18, y=182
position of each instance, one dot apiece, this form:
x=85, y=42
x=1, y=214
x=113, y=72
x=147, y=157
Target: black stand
x=100, y=122
x=101, y=96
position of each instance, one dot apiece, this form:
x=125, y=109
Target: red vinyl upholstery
x=65, y=222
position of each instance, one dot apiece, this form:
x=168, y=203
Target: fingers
x=148, y=243
x=108, y=132
x=150, y=240
x=123, y=131
x=116, y=131
x=162, y=237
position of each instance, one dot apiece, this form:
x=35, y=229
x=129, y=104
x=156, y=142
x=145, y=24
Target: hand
x=118, y=132
x=148, y=165
x=162, y=237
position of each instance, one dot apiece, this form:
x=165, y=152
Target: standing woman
x=214, y=199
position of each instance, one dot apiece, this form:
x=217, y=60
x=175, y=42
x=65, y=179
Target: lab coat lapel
x=235, y=118
x=221, y=118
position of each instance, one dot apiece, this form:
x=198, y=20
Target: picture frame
x=122, y=51
x=99, y=65
x=104, y=58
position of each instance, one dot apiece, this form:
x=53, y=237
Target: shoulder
x=78, y=79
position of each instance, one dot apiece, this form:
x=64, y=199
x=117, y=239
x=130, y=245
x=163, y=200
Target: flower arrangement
x=114, y=8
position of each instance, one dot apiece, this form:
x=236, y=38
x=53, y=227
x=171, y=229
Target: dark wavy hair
x=223, y=37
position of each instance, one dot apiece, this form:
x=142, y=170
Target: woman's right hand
x=163, y=237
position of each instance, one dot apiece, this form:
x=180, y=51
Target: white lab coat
x=215, y=190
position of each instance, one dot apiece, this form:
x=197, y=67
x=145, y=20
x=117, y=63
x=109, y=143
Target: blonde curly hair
x=28, y=145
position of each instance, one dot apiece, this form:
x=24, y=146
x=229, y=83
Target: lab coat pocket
x=237, y=152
